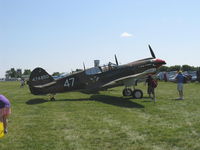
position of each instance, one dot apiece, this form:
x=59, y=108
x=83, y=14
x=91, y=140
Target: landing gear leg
x=52, y=98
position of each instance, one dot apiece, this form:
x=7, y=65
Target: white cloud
x=125, y=34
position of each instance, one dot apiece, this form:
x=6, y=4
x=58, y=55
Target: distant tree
x=27, y=72
x=13, y=73
x=189, y=68
x=56, y=74
x=186, y=68
x=8, y=72
x=175, y=68
x=178, y=67
x=163, y=69
x=196, y=68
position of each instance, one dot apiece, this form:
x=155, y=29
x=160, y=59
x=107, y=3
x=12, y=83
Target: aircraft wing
x=131, y=79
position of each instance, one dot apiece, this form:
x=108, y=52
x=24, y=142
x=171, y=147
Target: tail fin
x=38, y=78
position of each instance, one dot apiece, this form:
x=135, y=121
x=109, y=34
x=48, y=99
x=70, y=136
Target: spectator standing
x=152, y=84
x=180, y=80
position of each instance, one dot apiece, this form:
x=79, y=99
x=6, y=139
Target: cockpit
x=100, y=69
x=93, y=71
x=109, y=67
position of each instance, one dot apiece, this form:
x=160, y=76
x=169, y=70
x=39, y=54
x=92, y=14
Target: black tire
x=127, y=92
x=52, y=99
x=138, y=94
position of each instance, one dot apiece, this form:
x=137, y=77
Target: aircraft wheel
x=138, y=94
x=52, y=99
x=127, y=92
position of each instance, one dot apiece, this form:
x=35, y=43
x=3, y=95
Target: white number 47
x=69, y=82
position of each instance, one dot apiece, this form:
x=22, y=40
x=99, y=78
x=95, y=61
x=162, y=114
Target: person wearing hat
x=180, y=79
x=5, y=111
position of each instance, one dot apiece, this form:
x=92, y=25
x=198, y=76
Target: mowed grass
x=104, y=121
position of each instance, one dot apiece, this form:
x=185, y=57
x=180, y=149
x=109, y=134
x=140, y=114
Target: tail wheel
x=138, y=94
x=52, y=99
x=127, y=92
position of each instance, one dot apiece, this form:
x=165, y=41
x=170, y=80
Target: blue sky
x=59, y=35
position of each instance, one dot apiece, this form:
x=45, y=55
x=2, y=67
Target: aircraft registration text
x=40, y=78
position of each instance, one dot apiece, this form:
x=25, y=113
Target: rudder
x=38, y=77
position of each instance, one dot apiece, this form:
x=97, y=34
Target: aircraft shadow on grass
x=111, y=100
x=116, y=101
x=36, y=101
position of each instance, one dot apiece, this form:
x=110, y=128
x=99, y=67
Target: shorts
x=5, y=111
x=150, y=90
x=180, y=86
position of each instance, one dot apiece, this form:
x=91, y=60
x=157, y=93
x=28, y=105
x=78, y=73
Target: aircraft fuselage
x=95, y=78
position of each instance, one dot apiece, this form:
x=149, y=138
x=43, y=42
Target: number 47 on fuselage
x=96, y=78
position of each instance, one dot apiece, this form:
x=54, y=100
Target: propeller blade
x=116, y=60
x=84, y=66
x=152, y=53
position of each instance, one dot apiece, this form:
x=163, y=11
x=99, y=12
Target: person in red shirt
x=152, y=84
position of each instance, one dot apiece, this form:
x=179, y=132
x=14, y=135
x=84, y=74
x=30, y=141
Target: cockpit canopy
x=98, y=70
x=93, y=71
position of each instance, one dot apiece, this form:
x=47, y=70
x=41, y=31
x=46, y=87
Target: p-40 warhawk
x=96, y=78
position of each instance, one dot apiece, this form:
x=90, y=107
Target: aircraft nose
x=159, y=62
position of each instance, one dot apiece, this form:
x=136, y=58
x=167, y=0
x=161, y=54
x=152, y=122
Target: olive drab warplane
x=96, y=78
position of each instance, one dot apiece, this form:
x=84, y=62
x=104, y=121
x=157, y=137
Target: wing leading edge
x=129, y=80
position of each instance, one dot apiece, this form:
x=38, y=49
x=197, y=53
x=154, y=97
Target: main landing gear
x=136, y=93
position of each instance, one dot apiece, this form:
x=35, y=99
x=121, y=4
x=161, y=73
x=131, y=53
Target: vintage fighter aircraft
x=96, y=78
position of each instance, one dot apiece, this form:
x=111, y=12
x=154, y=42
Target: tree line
x=17, y=73
x=178, y=67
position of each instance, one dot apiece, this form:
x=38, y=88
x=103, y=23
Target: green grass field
x=105, y=121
